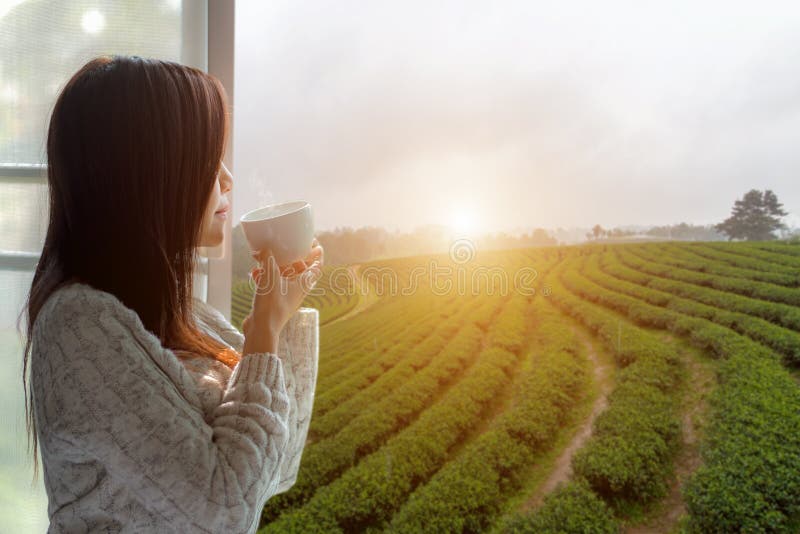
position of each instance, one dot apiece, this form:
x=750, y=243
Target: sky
x=500, y=116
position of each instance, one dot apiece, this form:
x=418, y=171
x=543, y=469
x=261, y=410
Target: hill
x=636, y=387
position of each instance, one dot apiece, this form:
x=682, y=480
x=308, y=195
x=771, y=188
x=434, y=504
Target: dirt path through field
x=366, y=297
x=562, y=469
x=701, y=379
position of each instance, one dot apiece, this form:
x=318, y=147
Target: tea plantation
x=448, y=397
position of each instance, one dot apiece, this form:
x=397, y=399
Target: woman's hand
x=279, y=291
x=298, y=267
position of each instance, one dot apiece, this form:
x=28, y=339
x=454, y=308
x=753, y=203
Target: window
x=42, y=42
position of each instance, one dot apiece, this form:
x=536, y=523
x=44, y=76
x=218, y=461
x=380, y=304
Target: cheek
x=209, y=220
x=213, y=232
x=211, y=224
x=213, y=202
x=219, y=222
x=211, y=207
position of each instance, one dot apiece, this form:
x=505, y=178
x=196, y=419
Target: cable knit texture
x=135, y=437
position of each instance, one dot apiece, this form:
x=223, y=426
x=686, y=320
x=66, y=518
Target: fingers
x=309, y=277
x=295, y=268
x=272, y=264
x=316, y=253
x=263, y=257
x=299, y=266
x=299, y=284
x=267, y=272
x=317, y=246
x=257, y=255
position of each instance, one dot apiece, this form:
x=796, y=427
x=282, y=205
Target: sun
x=463, y=220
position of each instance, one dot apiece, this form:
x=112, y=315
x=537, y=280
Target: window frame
x=207, y=42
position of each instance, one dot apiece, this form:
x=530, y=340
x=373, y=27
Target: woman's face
x=217, y=210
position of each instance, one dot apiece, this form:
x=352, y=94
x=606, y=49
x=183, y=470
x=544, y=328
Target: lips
x=223, y=210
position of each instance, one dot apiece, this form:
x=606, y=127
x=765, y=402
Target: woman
x=152, y=412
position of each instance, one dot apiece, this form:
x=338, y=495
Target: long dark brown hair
x=133, y=149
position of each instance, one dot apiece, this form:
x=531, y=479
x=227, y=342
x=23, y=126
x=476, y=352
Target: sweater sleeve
x=106, y=396
x=298, y=349
x=299, y=353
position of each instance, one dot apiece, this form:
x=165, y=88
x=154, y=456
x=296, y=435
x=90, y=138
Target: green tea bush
x=362, y=432
x=750, y=288
x=629, y=456
x=784, y=341
x=712, y=261
x=750, y=480
x=468, y=492
x=571, y=509
x=369, y=492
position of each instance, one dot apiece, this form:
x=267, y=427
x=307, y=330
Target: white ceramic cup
x=287, y=229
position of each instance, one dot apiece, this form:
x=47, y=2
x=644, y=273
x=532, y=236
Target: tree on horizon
x=755, y=217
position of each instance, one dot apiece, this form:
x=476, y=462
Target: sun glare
x=93, y=21
x=463, y=220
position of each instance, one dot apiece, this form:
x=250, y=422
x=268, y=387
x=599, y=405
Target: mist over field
x=561, y=280
x=515, y=115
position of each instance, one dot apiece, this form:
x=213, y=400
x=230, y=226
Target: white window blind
x=42, y=43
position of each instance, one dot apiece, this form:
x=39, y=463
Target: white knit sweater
x=138, y=438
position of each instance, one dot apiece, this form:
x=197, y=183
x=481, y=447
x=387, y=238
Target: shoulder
x=78, y=303
x=85, y=336
x=88, y=337
x=80, y=297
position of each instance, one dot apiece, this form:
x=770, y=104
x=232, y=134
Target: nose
x=225, y=179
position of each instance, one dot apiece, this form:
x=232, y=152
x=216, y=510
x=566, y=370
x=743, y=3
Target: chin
x=213, y=240
x=218, y=240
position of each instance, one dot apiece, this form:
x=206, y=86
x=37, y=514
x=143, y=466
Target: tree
x=597, y=231
x=754, y=218
x=687, y=232
x=540, y=236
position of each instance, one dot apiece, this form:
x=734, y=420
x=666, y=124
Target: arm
x=104, y=394
x=298, y=349
x=299, y=352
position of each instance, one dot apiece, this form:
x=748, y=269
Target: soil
x=562, y=468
